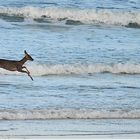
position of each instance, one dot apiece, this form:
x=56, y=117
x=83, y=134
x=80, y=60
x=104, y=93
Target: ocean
x=86, y=68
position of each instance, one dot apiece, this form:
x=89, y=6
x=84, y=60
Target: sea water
x=86, y=60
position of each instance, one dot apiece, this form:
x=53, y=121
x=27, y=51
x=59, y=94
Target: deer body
x=13, y=65
x=9, y=64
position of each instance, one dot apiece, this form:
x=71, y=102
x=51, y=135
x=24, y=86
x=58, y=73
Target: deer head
x=28, y=57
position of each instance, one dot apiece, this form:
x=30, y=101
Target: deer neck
x=23, y=60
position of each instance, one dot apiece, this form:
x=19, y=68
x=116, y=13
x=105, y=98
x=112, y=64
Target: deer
x=13, y=65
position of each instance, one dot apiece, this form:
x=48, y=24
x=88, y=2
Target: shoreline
x=71, y=128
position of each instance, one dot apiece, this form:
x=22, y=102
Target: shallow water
x=70, y=129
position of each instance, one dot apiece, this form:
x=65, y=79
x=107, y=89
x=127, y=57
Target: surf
x=44, y=114
x=78, y=69
x=72, y=15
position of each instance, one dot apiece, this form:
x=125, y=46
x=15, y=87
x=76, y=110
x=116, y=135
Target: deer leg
x=23, y=67
x=26, y=72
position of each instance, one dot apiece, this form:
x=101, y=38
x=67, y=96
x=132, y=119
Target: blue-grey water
x=86, y=59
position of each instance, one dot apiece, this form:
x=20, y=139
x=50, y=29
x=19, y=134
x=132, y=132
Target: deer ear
x=25, y=52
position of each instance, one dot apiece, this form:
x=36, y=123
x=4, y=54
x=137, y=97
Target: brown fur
x=13, y=65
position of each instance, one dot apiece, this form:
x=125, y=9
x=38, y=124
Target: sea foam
x=43, y=114
x=69, y=69
x=89, y=16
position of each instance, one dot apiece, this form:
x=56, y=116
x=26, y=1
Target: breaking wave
x=45, y=114
x=73, y=16
x=67, y=69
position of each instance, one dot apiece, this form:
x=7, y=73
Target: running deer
x=13, y=65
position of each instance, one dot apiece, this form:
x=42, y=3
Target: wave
x=67, y=69
x=73, y=16
x=44, y=114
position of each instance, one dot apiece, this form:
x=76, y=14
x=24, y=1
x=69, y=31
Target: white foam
x=43, y=69
x=106, y=16
x=44, y=114
x=66, y=69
